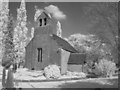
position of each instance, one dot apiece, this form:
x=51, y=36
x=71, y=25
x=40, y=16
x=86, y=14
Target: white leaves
x=52, y=71
x=1, y=24
x=4, y=11
x=55, y=11
x=105, y=67
x=32, y=32
x=78, y=38
x=23, y=24
x=20, y=31
x=59, y=30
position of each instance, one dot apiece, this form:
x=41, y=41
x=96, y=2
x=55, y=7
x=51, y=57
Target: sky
x=75, y=22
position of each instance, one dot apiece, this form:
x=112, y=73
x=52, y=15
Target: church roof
x=39, y=12
x=64, y=44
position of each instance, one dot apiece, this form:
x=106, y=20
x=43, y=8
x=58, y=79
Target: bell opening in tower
x=45, y=21
x=40, y=22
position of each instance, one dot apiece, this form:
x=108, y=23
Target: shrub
x=105, y=68
x=79, y=74
x=87, y=69
x=52, y=72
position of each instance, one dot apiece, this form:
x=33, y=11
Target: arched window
x=40, y=22
x=45, y=21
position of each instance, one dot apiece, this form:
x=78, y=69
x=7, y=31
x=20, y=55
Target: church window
x=40, y=21
x=45, y=21
x=39, y=54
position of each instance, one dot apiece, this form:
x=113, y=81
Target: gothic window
x=45, y=21
x=39, y=54
x=32, y=69
x=40, y=22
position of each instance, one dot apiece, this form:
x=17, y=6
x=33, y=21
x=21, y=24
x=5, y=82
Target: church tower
x=43, y=23
x=42, y=49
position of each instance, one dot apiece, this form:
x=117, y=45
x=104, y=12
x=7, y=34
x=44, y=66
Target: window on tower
x=40, y=22
x=45, y=21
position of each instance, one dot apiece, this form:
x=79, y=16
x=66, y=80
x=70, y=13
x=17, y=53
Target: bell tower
x=43, y=23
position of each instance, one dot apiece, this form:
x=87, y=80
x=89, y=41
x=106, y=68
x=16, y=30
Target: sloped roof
x=64, y=44
x=39, y=12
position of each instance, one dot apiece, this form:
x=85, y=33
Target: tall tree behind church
x=20, y=32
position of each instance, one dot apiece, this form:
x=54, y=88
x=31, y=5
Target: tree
x=8, y=42
x=4, y=12
x=8, y=56
x=20, y=32
x=104, y=16
x=92, y=46
x=32, y=32
x=59, y=30
x=82, y=43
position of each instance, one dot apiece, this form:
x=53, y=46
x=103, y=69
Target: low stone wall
x=77, y=58
x=75, y=68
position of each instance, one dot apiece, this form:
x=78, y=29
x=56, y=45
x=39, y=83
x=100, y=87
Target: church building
x=42, y=50
x=47, y=48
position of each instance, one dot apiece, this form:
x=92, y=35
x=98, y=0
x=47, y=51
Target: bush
x=52, y=72
x=86, y=69
x=105, y=68
x=79, y=74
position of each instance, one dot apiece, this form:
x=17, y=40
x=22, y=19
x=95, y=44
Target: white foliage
x=80, y=74
x=105, y=67
x=55, y=11
x=32, y=32
x=20, y=31
x=59, y=30
x=80, y=40
x=52, y=71
x=4, y=12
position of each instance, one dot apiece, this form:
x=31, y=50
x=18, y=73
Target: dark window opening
x=32, y=69
x=39, y=54
x=45, y=21
x=58, y=51
x=40, y=20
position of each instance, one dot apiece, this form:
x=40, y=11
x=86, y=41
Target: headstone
x=64, y=60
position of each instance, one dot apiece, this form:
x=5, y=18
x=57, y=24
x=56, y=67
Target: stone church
x=42, y=50
x=45, y=47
